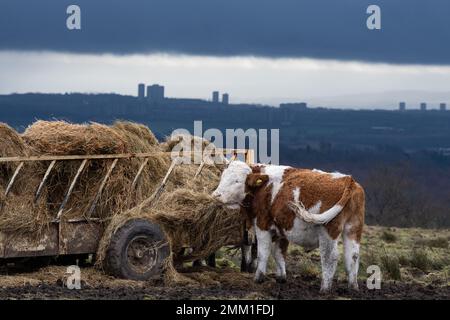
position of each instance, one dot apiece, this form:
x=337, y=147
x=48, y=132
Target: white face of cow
x=231, y=189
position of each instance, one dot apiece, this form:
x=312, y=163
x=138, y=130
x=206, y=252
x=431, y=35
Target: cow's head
x=237, y=179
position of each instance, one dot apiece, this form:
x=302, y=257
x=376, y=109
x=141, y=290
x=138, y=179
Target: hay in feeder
x=185, y=211
x=18, y=211
x=62, y=138
x=204, y=149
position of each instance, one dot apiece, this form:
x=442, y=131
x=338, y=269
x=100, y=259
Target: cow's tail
x=327, y=216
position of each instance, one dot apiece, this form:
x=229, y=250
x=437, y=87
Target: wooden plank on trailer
x=44, y=180
x=13, y=178
x=102, y=186
x=69, y=192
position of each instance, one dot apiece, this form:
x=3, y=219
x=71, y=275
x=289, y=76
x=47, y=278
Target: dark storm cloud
x=413, y=31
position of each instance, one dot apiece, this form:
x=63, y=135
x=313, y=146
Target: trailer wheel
x=137, y=250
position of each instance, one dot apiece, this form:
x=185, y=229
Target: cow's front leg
x=279, y=250
x=264, y=240
x=329, y=255
x=249, y=252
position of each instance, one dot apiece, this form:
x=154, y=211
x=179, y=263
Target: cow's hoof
x=259, y=279
x=281, y=279
x=325, y=291
x=353, y=287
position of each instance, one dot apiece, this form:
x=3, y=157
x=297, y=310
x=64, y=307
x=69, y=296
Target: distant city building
x=287, y=110
x=215, y=96
x=294, y=106
x=423, y=106
x=226, y=98
x=443, y=106
x=141, y=91
x=155, y=92
x=402, y=106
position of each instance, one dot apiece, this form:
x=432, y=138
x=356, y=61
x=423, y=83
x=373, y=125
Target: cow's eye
x=237, y=181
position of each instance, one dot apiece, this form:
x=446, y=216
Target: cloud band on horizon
x=413, y=32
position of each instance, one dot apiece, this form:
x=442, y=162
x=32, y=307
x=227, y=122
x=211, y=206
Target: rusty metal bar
x=102, y=186
x=77, y=220
x=138, y=174
x=44, y=179
x=13, y=178
x=200, y=168
x=154, y=197
x=112, y=156
x=234, y=156
x=69, y=192
x=250, y=156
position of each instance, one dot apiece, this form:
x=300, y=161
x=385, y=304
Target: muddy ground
x=415, y=264
x=49, y=283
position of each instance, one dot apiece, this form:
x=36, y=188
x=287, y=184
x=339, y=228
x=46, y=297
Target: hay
x=198, y=221
x=145, y=137
x=185, y=211
x=18, y=212
x=20, y=215
x=184, y=142
x=11, y=145
x=62, y=138
x=189, y=219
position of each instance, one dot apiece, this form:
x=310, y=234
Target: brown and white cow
x=308, y=207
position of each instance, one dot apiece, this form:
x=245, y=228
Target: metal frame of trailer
x=82, y=236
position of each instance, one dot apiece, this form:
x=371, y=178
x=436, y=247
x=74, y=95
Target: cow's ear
x=255, y=180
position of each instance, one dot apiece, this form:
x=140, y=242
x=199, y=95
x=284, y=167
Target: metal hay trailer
x=138, y=251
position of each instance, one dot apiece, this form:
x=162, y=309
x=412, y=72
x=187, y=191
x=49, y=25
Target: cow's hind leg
x=351, y=257
x=329, y=256
x=352, y=236
x=264, y=239
x=279, y=251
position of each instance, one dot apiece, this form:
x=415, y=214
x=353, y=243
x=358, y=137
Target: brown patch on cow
x=354, y=213
x=284, y=244
x=246, y=210
x=261, y=207
x=251, y=188
x=257, y=168
x=256, y=180
x=314, y=187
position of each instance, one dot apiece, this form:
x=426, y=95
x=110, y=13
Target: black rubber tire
x=118, y=261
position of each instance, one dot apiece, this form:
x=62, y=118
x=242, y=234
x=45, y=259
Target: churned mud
x=415, y=264
x=207, y=283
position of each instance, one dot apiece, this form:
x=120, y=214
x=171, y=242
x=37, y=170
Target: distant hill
x=401, y=158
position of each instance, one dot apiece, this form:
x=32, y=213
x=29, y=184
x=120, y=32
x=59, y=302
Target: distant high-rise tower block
x=155, y=93
x=225, y=98
x=443, y=106
x=423, y=106
x=215, y=96
x=296, y=106
x=141, y=91
x=402, y=106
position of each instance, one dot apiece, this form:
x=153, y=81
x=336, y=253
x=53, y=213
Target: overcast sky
x=257, y=50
